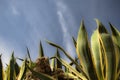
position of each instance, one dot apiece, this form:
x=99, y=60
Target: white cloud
x=15, y=11
x=66, y=20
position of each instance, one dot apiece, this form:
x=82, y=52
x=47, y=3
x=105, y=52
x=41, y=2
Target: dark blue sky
x=26, y=22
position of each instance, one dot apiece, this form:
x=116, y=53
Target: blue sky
x=26, y=22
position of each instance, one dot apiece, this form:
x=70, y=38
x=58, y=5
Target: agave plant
x=98, y=60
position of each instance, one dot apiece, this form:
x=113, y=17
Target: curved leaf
x=80, y=75
x=77, y=65
x=97, y=56
x=22, y=70
x=109, y=52
x=84, y=53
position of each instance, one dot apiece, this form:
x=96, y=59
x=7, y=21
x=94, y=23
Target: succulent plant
x=98, y=60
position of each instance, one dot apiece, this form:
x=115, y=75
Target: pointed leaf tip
x=0, y=55
x=115, y=32
x=101, y=27
x=28, y=53
x=74, y=41
x=41, y=52
x=82, y=26
x=59, y=65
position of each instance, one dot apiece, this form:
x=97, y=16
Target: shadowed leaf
x=109, y=52
x=77, y=65
x=41, y=75
x=17, y=68
x=1, y=69
x=59, y=65
x=80, y=75
x=74, y=41
x=41, y=52
x=11, y=66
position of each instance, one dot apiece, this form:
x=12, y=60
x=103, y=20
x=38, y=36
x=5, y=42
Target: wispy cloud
x=14, y=10
x=66, y=21
x=36, y=21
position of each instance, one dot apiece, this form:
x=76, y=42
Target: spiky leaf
x=22, y=70
x=109, y=52
x=1, y=69
x=74, y=41
x=80, y=75
x=41, y=52
x=11, y=75
x=84, y=53
x=97, y=55
x=59, y=65
x=77, y=65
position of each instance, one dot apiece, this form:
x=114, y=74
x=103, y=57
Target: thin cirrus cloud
x=15, y=11
x=24, y=23
x=66, y=21
x=29, y=22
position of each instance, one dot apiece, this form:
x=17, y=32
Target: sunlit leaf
x=80, y=75
x=77, y=65
x=97, y=55
x=22, y=71
x=84, y=53
x=109, y=52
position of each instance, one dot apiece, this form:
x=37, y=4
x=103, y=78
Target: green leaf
x=41, y=52
x=109, y=52
x=84, y=53
x=110, y=58
x=97, y=55
x=74, y=41
x=80, y=75
x=52, y=65
x=70, y=76
x=7, y=73
x=116, y=40
x=17, y=68
x=55, y=45
x=11, y=75
x=22, y=70
x=77, y=65
x=101, y=27
x=1, y=69
x=115, y=35
x=29, y=55
x=118, y=75
x=40, y=75
x=59, y=65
